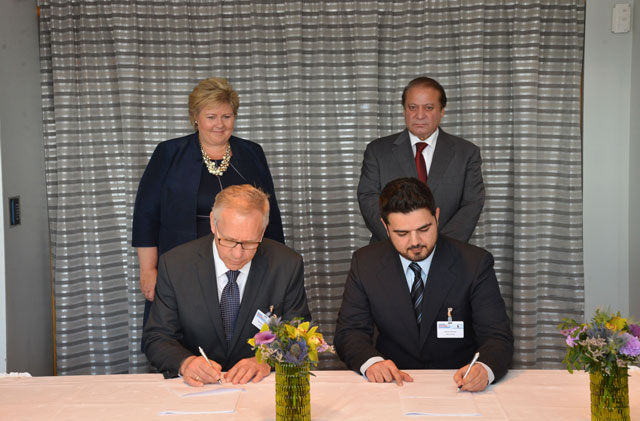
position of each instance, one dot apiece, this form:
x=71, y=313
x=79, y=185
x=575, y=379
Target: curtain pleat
x=317, y=81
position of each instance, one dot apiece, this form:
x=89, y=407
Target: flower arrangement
x=296, y=342
x=605, y=345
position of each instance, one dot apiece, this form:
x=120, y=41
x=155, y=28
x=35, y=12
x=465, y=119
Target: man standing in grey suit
x=214, y=293
x=448, y=164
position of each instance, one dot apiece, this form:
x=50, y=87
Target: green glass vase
x=610, y=396
x=293, y=399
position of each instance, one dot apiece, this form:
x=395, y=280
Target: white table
x=335, y=395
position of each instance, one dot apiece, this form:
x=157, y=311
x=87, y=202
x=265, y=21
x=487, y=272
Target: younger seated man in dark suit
x=410, y=287
x=210, y=290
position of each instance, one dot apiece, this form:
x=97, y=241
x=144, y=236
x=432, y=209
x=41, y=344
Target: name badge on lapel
x=449, y=328
x=259, y=319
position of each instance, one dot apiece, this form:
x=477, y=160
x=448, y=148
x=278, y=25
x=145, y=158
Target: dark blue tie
x=417, y=290
x=230, y=303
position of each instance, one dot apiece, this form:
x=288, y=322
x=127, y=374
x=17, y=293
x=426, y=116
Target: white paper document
x=209, y=399
x=446, y=402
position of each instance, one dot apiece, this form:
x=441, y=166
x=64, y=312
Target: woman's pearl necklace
x=211, y=166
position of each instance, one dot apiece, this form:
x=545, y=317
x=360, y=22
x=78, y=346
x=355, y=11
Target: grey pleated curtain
x=317, y=82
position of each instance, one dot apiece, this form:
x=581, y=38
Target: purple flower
x=265, y=337
x=631, y=347
x=634, y=330
x=297, y=352
x=571, y=331
x=322, y=347
x=571, y=341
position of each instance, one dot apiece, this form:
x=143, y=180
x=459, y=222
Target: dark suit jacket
x=186, y=311
x=455, y=179
x=376, y=293
x=165, y=211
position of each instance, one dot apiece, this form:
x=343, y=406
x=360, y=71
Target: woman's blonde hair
x=212, y=91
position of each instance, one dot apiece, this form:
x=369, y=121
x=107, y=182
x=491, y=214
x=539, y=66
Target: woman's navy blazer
x=165, y=210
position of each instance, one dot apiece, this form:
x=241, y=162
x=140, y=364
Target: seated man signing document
x=434, y=300
x=212, y=293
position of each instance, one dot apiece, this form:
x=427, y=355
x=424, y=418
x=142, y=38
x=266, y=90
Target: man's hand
x=148, y=283
x=386, y=371
x=196, y=371
x=247, y=369
x=476, y=381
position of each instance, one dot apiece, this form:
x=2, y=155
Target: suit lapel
x=247, y=305
x=206, y=273
x=241, y=160
x=192, y=170
x=403, y=154
x=440, y=280
x=396, y=292
x=442, y=156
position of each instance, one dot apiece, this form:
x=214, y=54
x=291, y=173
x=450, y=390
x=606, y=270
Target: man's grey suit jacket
x=186, y=311
x=455, y=179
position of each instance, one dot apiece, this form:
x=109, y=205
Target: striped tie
x=230, y=304
x=417, y=290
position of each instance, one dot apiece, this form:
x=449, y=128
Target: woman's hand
x=148, y=259
x=148, y=283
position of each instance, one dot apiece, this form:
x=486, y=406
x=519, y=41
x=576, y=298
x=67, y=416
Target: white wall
x=607, y=157
x=634, y=173
x=3, y=301
x=29, y=335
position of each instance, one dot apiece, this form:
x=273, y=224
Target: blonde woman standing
x=183, y=176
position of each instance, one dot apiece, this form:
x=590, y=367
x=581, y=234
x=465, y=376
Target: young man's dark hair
x=405, y=195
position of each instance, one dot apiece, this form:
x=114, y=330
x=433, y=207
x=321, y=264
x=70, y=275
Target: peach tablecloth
x=335, y=395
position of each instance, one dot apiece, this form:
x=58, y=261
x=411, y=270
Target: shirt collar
x=221, y=268
x=425, y=264
x=431, y=140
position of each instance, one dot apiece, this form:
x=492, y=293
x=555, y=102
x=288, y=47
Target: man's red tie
x=421, y=166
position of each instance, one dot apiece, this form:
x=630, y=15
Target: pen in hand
x=473, y=361
x=209, y=362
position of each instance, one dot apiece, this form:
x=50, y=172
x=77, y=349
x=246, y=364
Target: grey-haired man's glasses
x=246, y=245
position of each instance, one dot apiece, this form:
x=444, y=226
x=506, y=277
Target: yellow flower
x=316, y=338
x=616, y=323
x=313, y=353
x=259, y=356
x=301, y=330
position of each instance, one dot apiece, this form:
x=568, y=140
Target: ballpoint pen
x=209, y=362
x=473, y=361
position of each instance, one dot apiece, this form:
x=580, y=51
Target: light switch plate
x=621, y=18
